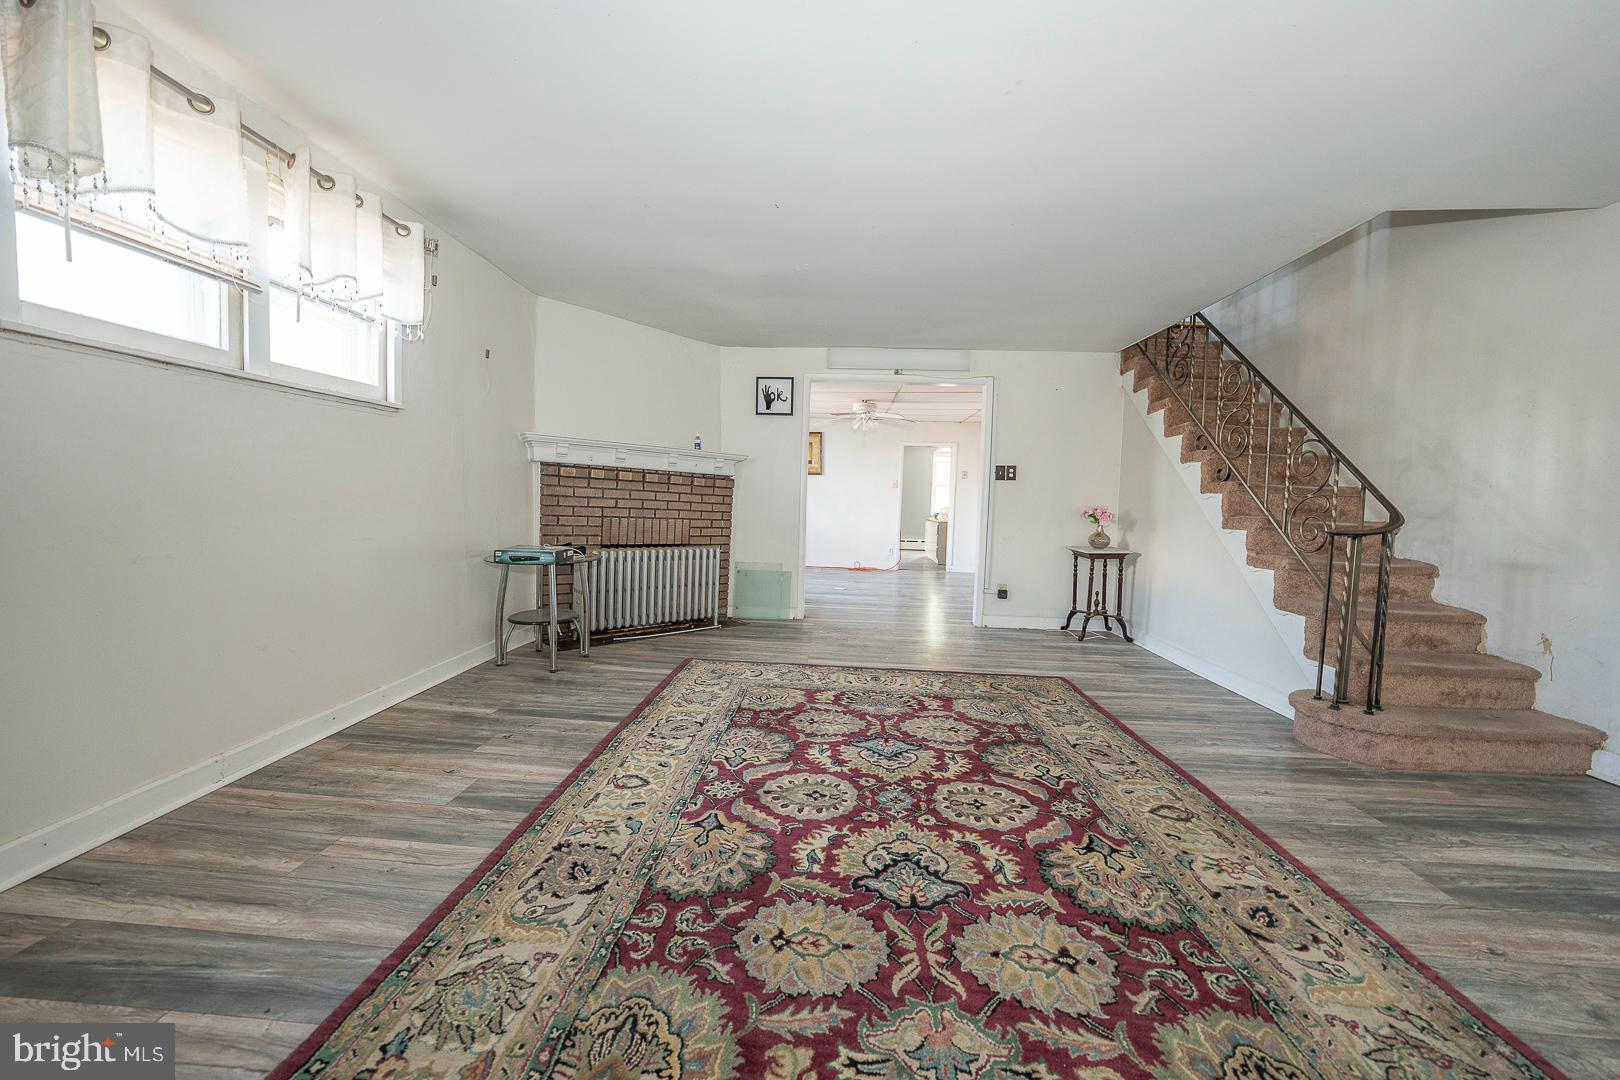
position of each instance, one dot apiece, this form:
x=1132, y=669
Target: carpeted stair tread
x=1474, y=665
x=1490, y=725
x=1424, y=611
x=1431, y=611
x=1398, y=567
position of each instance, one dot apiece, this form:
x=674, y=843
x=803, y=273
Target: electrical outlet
x=1006, y=472
x=964, y=474
x=1001, y=592
x=1012, y=472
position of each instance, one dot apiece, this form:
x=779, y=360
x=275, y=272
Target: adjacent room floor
x=249, y=914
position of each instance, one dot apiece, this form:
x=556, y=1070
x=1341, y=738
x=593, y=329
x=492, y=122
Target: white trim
x=25, y=332
x=946, y=361
x=987, y=430
x=567, y=450
x=1264, y=696
x=987, y=454
x=26, y=856
x=900, y=497
x=1024, y=622
x=1605, y=766
x=64, y=325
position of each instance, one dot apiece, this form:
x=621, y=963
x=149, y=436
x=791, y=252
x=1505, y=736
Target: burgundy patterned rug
x=788, y=872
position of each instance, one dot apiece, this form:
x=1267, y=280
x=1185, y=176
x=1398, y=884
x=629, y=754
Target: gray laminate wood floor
x=247, y=915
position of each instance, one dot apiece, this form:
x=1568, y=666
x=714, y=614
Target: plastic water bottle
x=697, y=442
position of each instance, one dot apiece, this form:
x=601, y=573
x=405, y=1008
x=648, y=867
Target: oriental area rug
x=791, y=872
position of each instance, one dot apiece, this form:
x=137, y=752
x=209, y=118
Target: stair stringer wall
x=1246, y=644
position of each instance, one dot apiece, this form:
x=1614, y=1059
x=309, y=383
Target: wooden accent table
x=1097, y=593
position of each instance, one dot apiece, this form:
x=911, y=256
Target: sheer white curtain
x=174, y=166
x=165, y=169
x=102, y=138
x=336, y=246
x=47, y=65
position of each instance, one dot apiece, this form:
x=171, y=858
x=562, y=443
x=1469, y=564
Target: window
x=110, y=283
x=341, y=348
x=941, y=497
x=195, y=238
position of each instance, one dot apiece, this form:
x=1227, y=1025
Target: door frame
x=987, y=433
x=900, y=502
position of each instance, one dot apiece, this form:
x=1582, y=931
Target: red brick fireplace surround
x=612, y=506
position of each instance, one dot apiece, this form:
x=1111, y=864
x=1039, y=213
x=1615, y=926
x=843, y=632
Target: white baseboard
x=1264, y=696
x=1605, y=766
x=1023, y=622
x=26, y=856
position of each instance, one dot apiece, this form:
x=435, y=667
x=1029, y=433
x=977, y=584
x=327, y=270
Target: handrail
x=1310, y=489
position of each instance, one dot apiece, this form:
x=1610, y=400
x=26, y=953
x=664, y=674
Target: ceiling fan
x=865, y=415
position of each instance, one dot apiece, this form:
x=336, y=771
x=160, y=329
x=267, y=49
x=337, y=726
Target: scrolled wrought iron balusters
x=1333, y=506
x=1235, y=419
x=1327, y=610
x=1307, y=521
x=1265, y=479
x=1347, y=618
x=1207, y=364
x=1288, y=477
x=1380, y=629
x=1254, y=418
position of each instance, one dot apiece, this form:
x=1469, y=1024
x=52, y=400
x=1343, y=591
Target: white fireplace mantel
x=568, y=450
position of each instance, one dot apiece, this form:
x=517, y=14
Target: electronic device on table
x=536, y=554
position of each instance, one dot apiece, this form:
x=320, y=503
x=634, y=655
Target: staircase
x=1402, y=681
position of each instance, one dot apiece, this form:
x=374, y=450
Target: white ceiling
x=915, y=401
x=938, y=173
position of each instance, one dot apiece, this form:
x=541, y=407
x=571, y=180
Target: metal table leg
x=584, y=586
x=1074, y=590
x=500, y=617
x=551, y=590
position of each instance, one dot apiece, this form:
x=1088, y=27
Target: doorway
x=927, y=486
x=896, y=479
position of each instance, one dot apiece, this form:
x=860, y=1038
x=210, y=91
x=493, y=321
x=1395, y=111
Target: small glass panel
x=118, y=284
x=316, y=337
x=941, y=494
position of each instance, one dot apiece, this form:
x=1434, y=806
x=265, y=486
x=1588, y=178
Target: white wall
x=1057, y=418
x=601, y=377
x=1471, y=367
x=916, y=490
x=853, y=509
x=192, y=562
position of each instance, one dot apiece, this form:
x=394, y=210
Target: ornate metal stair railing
x=1232, y=405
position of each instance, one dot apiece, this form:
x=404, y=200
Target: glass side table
x=546, y=614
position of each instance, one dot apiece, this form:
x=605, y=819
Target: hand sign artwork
x=773, y=396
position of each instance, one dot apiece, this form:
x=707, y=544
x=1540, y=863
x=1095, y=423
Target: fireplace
x=674, y=503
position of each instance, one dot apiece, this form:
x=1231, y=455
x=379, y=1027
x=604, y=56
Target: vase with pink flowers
x=1099, y=515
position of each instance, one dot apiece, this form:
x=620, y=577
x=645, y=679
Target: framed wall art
x=773, y=395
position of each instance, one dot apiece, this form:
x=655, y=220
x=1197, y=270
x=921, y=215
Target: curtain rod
x=204, y=104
